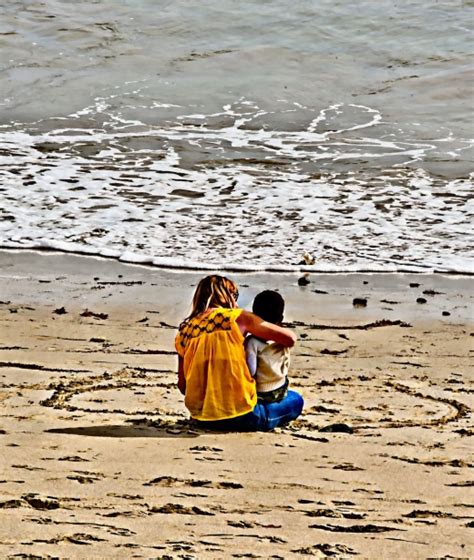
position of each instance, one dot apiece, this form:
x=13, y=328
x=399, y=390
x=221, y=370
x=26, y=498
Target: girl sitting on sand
x=213, y=375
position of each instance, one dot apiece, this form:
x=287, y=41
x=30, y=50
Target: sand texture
x=98, y=459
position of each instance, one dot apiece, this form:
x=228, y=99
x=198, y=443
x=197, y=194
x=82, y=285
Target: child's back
x=268, y=362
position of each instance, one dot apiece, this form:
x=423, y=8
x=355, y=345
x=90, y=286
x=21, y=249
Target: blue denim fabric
x=264, y=417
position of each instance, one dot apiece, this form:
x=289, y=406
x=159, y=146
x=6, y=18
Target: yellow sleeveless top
x=218, y=381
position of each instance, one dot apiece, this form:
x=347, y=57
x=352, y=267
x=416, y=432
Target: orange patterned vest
x=218, y=382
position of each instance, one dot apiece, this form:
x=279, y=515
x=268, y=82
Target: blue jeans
x=264, y=417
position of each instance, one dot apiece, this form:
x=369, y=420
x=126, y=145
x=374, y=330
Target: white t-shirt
x=268, y=363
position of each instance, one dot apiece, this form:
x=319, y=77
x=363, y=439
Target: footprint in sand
x=206, y=453
x=348, y=467
x=168, y=481
x=328, y=550
x=369, y=528
x=334, y=513
x=76, y=538
x=180, y=510
x=85, y=477
x=32, y=500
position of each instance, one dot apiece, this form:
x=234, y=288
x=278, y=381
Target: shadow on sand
x=128, y=431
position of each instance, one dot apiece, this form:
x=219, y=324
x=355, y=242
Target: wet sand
x=99, y=459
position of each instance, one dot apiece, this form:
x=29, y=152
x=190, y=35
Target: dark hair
x=269, y=305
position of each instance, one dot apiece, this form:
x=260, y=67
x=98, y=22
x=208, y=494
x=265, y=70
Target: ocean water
x=240, y=135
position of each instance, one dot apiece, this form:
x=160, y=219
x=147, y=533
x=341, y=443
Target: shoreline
x=98, y=450
x=324, y=297
x=153, y=262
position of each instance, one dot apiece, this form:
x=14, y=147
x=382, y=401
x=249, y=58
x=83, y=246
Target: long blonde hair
x=214, y=291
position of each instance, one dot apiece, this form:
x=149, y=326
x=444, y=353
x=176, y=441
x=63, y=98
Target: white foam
x=140, y=205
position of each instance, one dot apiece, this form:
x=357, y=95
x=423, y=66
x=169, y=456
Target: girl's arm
x=181, y=378
x=251, y=323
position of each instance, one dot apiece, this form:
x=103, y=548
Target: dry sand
x=99, y=461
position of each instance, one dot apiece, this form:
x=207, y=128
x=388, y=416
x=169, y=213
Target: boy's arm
x=251, y=355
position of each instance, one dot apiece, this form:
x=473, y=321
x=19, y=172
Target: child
x=268, y=361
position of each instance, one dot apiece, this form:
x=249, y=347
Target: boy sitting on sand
x=268, y=361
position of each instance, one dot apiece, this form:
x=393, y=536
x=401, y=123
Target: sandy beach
x=99, y=459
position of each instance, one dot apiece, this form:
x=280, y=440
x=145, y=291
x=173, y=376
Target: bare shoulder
x=249, y=321
x=245, y=318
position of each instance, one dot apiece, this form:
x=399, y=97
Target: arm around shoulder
x=251, y=323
